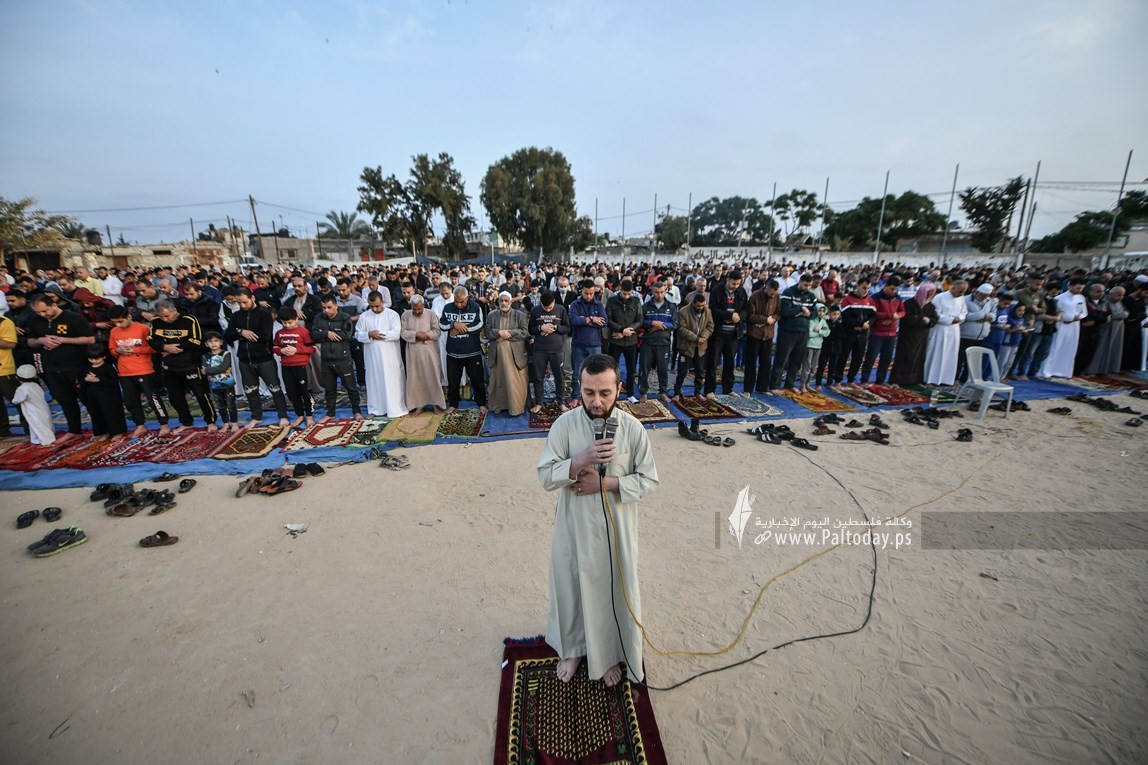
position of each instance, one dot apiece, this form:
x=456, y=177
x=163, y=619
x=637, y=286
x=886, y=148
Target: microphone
x=603, y=429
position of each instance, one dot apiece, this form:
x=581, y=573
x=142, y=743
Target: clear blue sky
x=130, y=104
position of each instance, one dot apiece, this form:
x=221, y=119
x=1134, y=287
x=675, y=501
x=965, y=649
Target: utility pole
x=881, y=218
x=192, y=248
x=255, y=220
x=689, y=218
x=772, y=199
x=1116, y=212
x=949, y=216
x=1031, y=215
x=824, y=207
x=623, y=229
x=111, y=244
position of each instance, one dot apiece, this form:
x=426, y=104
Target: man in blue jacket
x=658, y=316
x=462, y=321
x=587, y=317
x=798, y=305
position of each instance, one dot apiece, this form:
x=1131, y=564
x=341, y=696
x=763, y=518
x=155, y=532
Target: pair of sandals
x=276, y=484
x=129, y=506
x=772, y=434
x=304, y=469
x=1062, y=410
x=57, y=541
x=51, y=515
x=821, y=429
x=111, y=492
x=1138, y=394
x=873, y=434
x=877, y=422
x=931, y=423
x=964, y=434
x=394, y=462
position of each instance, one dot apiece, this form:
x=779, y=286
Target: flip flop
x=714, y=441
x=768, y=438
x=25, y=519
x=300, y=470
x=801, y=443
x=186, y=485
x=158, y=539
x=822, y=430
x=246, y=485
x=315, y=469
x=964, y=434
x=1060, y=410
x=853, y=436
x=162, y=507
x=167, y=477
x=854, y=424
x=71, y=537
x=287, y=484
x=123, y=510
x=832, y=419
x=730, y=442
x=101, y=492
x=52, y=514
x=1134, y=422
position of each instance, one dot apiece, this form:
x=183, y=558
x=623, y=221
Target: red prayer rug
x=334, y=433
x=551, y=411
x=816, y=402
x=26, y=456
x=897, y=396
x=143, y=449
x=705, y=408
x=859, y=395
x=544, y=721
x=1115, y=381
x=80, y=457
x=196, y=445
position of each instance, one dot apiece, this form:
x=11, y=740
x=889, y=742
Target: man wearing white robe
x=1062, y=353
x=945, y=338
x=379, y=329
x=582, y=610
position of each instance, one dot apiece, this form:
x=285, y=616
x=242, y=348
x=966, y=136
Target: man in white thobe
x=113, y=286
x=379, y=329
x=1062, y=353
x=582, y=611
x=945, y=338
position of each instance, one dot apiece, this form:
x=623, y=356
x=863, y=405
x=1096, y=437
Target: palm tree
x=343, y=225
x=73, y=229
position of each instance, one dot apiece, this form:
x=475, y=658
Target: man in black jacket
x=204, y=309
x=253, y=329
x=728, y=303
x=178, y=340
x=331, y=332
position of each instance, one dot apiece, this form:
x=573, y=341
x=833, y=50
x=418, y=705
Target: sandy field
x=377, y=635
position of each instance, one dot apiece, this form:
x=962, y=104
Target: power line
x=153, y=207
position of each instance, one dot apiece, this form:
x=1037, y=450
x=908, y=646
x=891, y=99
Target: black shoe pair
x=304, y=469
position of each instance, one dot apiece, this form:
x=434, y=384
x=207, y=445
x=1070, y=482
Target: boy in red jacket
x=294, y=348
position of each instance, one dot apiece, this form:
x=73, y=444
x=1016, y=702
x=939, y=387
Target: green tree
x=24, y=226
x=990, y=210
x=529, y=197
x=1134, y=205
x=1088, y=229
x=796, y=210
x=73, y=229
x=906, y=216
x=402, y=212
x=730, y=222
x=671, y=231
x=582, y=234
x=344, y=225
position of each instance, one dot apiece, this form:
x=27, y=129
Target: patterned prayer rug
x=333, y=433
x=896, y=395
x=10, y=443
x=652, y=410
x=142, y=449
x=80, y=456
x=544, y=721
x=370, y=432
x=748, y=407
x=26, y=456
x=256, y=442
x=1090, y=384
x=937, y=394
x=416, y=429
x=859, y=395
x=551, y=411
x=704, y=408
x=816, y=402
x=461, y=423
x=1116, y=381
x=197, y=445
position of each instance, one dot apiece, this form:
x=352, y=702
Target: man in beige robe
x=583, y=607
x=506, y=330
x=420, y=330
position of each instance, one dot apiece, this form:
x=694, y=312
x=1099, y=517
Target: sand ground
x=376, y=636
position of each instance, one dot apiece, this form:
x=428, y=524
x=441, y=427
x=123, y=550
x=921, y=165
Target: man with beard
x=331, y=332
x=589, y=609
x=1062, y=350
x=420, y=330
x=252, y=328
x=62, y=339
x=179, y=341
x=506, y=330
x=945, y=338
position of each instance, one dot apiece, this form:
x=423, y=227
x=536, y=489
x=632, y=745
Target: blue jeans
x=578, y=354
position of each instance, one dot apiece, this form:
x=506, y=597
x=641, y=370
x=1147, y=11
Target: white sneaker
x=633, y=399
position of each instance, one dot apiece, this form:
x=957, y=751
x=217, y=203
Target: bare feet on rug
x=358, y=417
x=414, y=411
x=284, y=422
x=325, y=420
x=252, y=424
x=438, y=410
x=66, y=438
x=563, y=408
x=642, y=399
x=178, y=429
x=309, y=420
x=613, y=676
x=212, y=427
x=450, y=409
x=163, y=429
x=141, y=430
x=294, y=423
x=567, y=668
x=483, y=410
x=538, y=408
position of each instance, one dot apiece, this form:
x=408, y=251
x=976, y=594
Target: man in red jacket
x=883, y=333
x=857, y=313
x=293, y=346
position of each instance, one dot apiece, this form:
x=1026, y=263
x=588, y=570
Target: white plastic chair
x=978, y=385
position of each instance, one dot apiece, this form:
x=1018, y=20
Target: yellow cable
x=786, y=572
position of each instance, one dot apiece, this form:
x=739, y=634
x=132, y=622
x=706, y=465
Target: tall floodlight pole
x=824, y=207
x=881, y=218
x=1031, y=210
x=772, y=199
x=654, y=231
x=1116, y=212
x=689, y=218
x=949, y=215
x=595, y=223
x=623, y=228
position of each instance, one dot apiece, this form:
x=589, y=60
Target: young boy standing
x=217, y=367
x=102, y=394
x=29, y=396
x=128, y=343
x=293, y=346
